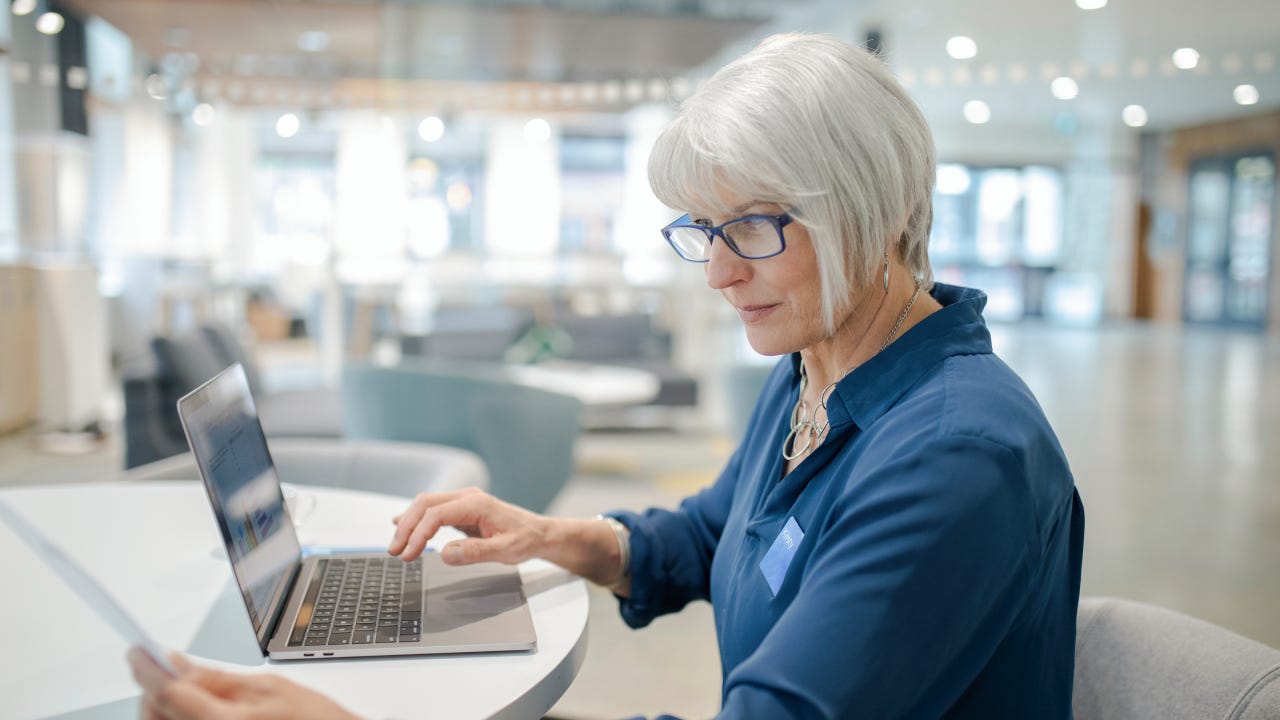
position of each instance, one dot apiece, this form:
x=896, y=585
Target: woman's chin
x=768, y=344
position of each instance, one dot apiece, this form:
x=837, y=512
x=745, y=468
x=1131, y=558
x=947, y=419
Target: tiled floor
x=1173, y=435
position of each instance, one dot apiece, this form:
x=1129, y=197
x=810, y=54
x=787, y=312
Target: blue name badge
x=778, y=559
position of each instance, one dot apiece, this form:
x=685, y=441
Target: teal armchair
x=525, y=435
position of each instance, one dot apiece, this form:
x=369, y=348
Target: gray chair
x=1139, y=662
x=183, y=362
x=392, y=468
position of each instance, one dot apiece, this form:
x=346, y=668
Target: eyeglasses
x=753, y=237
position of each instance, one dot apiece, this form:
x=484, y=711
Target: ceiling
x=380, y=51
x=570, y=54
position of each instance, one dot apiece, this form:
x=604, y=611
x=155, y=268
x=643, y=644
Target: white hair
x=823, y=129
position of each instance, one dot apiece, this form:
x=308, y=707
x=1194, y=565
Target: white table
x=594, y=385
x=151, y=544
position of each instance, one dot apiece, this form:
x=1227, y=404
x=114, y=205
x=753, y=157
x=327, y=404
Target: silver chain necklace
x=800, y=423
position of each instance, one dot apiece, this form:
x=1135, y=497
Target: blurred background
x=314, y=185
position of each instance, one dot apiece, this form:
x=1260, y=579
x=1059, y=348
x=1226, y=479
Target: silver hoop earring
x=886, y=273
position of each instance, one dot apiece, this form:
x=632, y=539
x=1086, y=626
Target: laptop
x=334, y=606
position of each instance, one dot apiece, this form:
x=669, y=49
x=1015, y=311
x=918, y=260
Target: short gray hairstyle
x=819, y=126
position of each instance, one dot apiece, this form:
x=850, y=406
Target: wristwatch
x=623, y=535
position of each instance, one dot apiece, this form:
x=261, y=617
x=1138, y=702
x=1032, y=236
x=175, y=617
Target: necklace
x=808, y=427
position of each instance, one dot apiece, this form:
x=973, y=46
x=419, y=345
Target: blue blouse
x=933, y=566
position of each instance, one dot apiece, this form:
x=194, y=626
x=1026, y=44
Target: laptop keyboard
x=361, y=601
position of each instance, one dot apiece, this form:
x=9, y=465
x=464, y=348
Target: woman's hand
x=501, y=532
x=198, y=693
x=497, y=531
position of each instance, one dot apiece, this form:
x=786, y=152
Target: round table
x=155, y=547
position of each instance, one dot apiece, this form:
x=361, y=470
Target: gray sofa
x=1141, y=662
x=183, y=362
x=629, y=340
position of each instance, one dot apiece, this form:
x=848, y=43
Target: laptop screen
x=226, y=438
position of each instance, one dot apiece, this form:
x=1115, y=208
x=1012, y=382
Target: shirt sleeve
x=671, y=550
x=908, y=592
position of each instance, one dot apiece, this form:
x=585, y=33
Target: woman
x=898, y=534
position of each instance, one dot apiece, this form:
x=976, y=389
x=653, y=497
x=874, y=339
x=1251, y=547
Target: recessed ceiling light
x=287, y=125
x=977, y=112
x=1091, y=4
x=313, y=41
x=156, y=86
x=50, y=23
x=1064, y=88
x=953, y=179
x=23, y=7
x=431, y=129
x=537, y=130
x=1185, y=58
x=962, y=47
x=202, y=114
x=1246, y=94
x=1134, y=115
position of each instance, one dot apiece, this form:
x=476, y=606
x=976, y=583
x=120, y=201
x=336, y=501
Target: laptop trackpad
x=457, y=597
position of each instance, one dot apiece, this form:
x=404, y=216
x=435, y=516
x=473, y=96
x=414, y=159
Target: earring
x=886, y=272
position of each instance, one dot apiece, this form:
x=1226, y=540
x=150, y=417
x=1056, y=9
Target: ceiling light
x=1134, y=115
x=431, y=129
x=1185, y=58
x=1091, y=4
x=202, y=115
x=23, y=7
x=977, y=112
x=156, y=87
x=287, y=125
x=1064, y=88
x=953, y=179
x=962, y=47
x=313, y=41
x=458, y=196
x=1246, y=94
x=537, y=130
x=50, y=23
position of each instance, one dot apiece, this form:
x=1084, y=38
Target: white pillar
x=371, y=198
x=522, y=194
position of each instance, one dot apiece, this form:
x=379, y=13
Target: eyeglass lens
x=753, y=237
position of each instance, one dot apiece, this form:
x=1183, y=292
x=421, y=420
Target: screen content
x=228, y=444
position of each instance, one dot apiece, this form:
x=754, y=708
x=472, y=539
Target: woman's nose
x=725, y=267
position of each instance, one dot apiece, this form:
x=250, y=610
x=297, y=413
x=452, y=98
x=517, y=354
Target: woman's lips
x=755, y=313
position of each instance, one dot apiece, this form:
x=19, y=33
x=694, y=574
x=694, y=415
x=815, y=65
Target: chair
x=182, y=363
x=1138, y=662
x=403, y=469
x=525, y=435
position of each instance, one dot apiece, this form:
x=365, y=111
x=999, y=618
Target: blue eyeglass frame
x=778, y=221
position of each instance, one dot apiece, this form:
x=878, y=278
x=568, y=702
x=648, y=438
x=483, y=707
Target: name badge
x=778, y=559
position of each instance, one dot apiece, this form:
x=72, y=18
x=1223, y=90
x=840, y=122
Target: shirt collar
x=873, y=387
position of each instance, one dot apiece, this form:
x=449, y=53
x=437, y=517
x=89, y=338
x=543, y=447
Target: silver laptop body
x=334, y=606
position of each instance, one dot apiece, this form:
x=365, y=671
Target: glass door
x=1229, y=239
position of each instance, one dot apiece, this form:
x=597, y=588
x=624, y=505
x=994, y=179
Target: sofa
x=496, y=333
